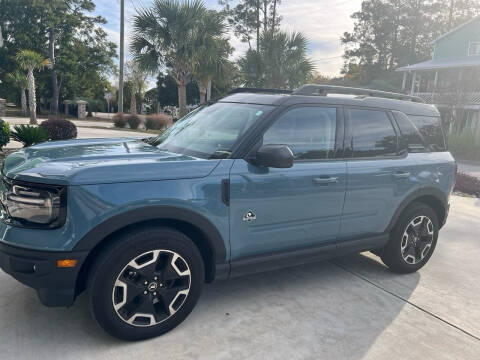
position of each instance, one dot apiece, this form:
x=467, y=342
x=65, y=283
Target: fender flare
x=117, y=222
x=429, y=191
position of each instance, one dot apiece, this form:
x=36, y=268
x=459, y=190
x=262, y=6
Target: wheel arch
x=433, y=197
x=201, y=231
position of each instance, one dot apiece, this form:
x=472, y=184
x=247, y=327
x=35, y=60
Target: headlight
x=33, y=205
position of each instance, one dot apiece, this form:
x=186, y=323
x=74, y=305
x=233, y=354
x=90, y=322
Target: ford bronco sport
x=258, y=180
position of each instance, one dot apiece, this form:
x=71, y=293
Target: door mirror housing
x=276, y=156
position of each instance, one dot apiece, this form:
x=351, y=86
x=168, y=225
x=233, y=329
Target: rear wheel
x=146, y=283
x=413, y=239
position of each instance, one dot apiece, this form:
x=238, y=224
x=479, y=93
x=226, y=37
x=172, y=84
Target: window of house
x=373, y=133
x=308, y=131
x=474, y=48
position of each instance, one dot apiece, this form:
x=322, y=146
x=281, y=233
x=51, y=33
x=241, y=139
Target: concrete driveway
x=351, y=308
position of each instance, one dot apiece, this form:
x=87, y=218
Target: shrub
x=29, y=135
x=134, y=121
x=157, y=122
x=464, y=146
x=59, y=129
x=467, y=184
x=119, y=120
x=4, y=134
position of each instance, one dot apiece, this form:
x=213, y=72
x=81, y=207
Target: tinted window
x=308, y=131
x=431, y=130
x=373, y=133
x=410, y=133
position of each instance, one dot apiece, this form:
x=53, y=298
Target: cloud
x=322, y=21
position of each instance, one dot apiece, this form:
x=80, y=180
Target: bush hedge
x=464, y=146
x=4, y=134
x=119, y=120
x=134, y=121
x=59, y=129
x=157, y=122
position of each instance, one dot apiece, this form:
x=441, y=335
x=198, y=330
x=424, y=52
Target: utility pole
x=122, y=54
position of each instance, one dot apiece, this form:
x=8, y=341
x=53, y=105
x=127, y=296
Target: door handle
x=401, y=175
x=325, y=180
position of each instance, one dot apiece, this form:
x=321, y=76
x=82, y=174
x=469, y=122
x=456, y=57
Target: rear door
x=275, y=210
x=378, y=176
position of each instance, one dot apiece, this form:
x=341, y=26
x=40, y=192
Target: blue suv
x=258, y=180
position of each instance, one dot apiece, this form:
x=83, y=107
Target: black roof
x=363, y=97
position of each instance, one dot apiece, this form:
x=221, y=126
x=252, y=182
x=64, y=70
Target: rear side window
x=410, y=133
x=372, y=133
x=431, y=129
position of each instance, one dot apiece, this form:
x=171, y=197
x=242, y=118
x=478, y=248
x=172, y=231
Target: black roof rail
x=258, y=90
x=324, y=90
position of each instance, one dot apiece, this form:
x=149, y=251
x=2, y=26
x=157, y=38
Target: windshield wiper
x=221, y=154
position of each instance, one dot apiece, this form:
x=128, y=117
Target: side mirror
x=276, y=156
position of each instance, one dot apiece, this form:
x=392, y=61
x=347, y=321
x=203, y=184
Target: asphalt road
x=350, y=308
x=469, y=167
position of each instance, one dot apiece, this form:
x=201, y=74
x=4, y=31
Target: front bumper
x=38, y=269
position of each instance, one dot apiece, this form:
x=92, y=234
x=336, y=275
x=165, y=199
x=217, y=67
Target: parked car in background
x=258, y=180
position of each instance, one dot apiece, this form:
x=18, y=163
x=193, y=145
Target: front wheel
x=413, y=239
x=146, y=283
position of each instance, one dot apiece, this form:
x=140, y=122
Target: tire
x=146, y=283
x=412, y=240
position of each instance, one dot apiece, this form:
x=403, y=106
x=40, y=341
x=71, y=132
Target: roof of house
x=457, y=28
x=469, y=61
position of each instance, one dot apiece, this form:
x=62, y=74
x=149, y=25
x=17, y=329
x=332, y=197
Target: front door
x=275, y=210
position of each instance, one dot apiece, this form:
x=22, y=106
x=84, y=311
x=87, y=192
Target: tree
x=281, y=63
x=56, y=13
x=19, y=80
x=137, y=79
x=31, y=61
x=249, y=18
x=392, y=33
x=82, y=52
x=170, y=34
x=213, y=63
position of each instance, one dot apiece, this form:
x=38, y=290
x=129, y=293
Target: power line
x=328, y=58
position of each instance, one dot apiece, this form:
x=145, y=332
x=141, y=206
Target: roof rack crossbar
x=258, y=90
x=324, y=90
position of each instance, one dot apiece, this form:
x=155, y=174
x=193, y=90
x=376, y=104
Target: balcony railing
x=450, y=98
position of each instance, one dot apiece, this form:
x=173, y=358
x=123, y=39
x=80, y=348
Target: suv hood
x=95, y=161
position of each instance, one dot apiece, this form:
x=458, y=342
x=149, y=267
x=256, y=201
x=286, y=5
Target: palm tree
x=281, y=61
x=213, y=63
x=19, y=80
x=31, y=61
x=170, y=34
x=137, y=79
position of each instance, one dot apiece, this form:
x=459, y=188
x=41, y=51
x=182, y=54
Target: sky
x=322, y=21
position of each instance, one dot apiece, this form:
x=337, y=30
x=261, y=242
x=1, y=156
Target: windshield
x=211, y=131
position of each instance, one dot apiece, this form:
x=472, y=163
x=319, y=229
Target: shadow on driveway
x=315, y=310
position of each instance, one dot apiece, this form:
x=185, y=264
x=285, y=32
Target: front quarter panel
x=91, y=205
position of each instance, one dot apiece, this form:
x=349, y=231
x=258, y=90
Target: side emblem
x=249, y=216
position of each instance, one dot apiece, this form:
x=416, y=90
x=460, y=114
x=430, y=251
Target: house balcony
x=465, y=100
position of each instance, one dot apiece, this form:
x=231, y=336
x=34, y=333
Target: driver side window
x=308, y=131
